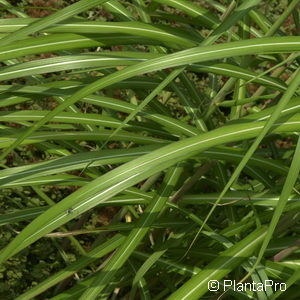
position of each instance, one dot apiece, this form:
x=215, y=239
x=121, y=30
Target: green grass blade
x=274, y=116
x=220, y=267
x=59, y=16
x=133, y=172
x=189, y=56
x=135, y=236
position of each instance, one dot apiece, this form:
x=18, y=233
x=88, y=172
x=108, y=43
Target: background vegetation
x=148, y=147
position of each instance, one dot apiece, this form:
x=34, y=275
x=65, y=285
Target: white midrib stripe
x=66, y=63
x=156, y=63
x=43, y=45
x=285, y=110
x=59, y=118
x=116, y=27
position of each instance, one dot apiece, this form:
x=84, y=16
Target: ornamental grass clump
x=149, y=149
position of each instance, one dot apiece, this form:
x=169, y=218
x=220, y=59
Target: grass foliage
x=148, y=147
